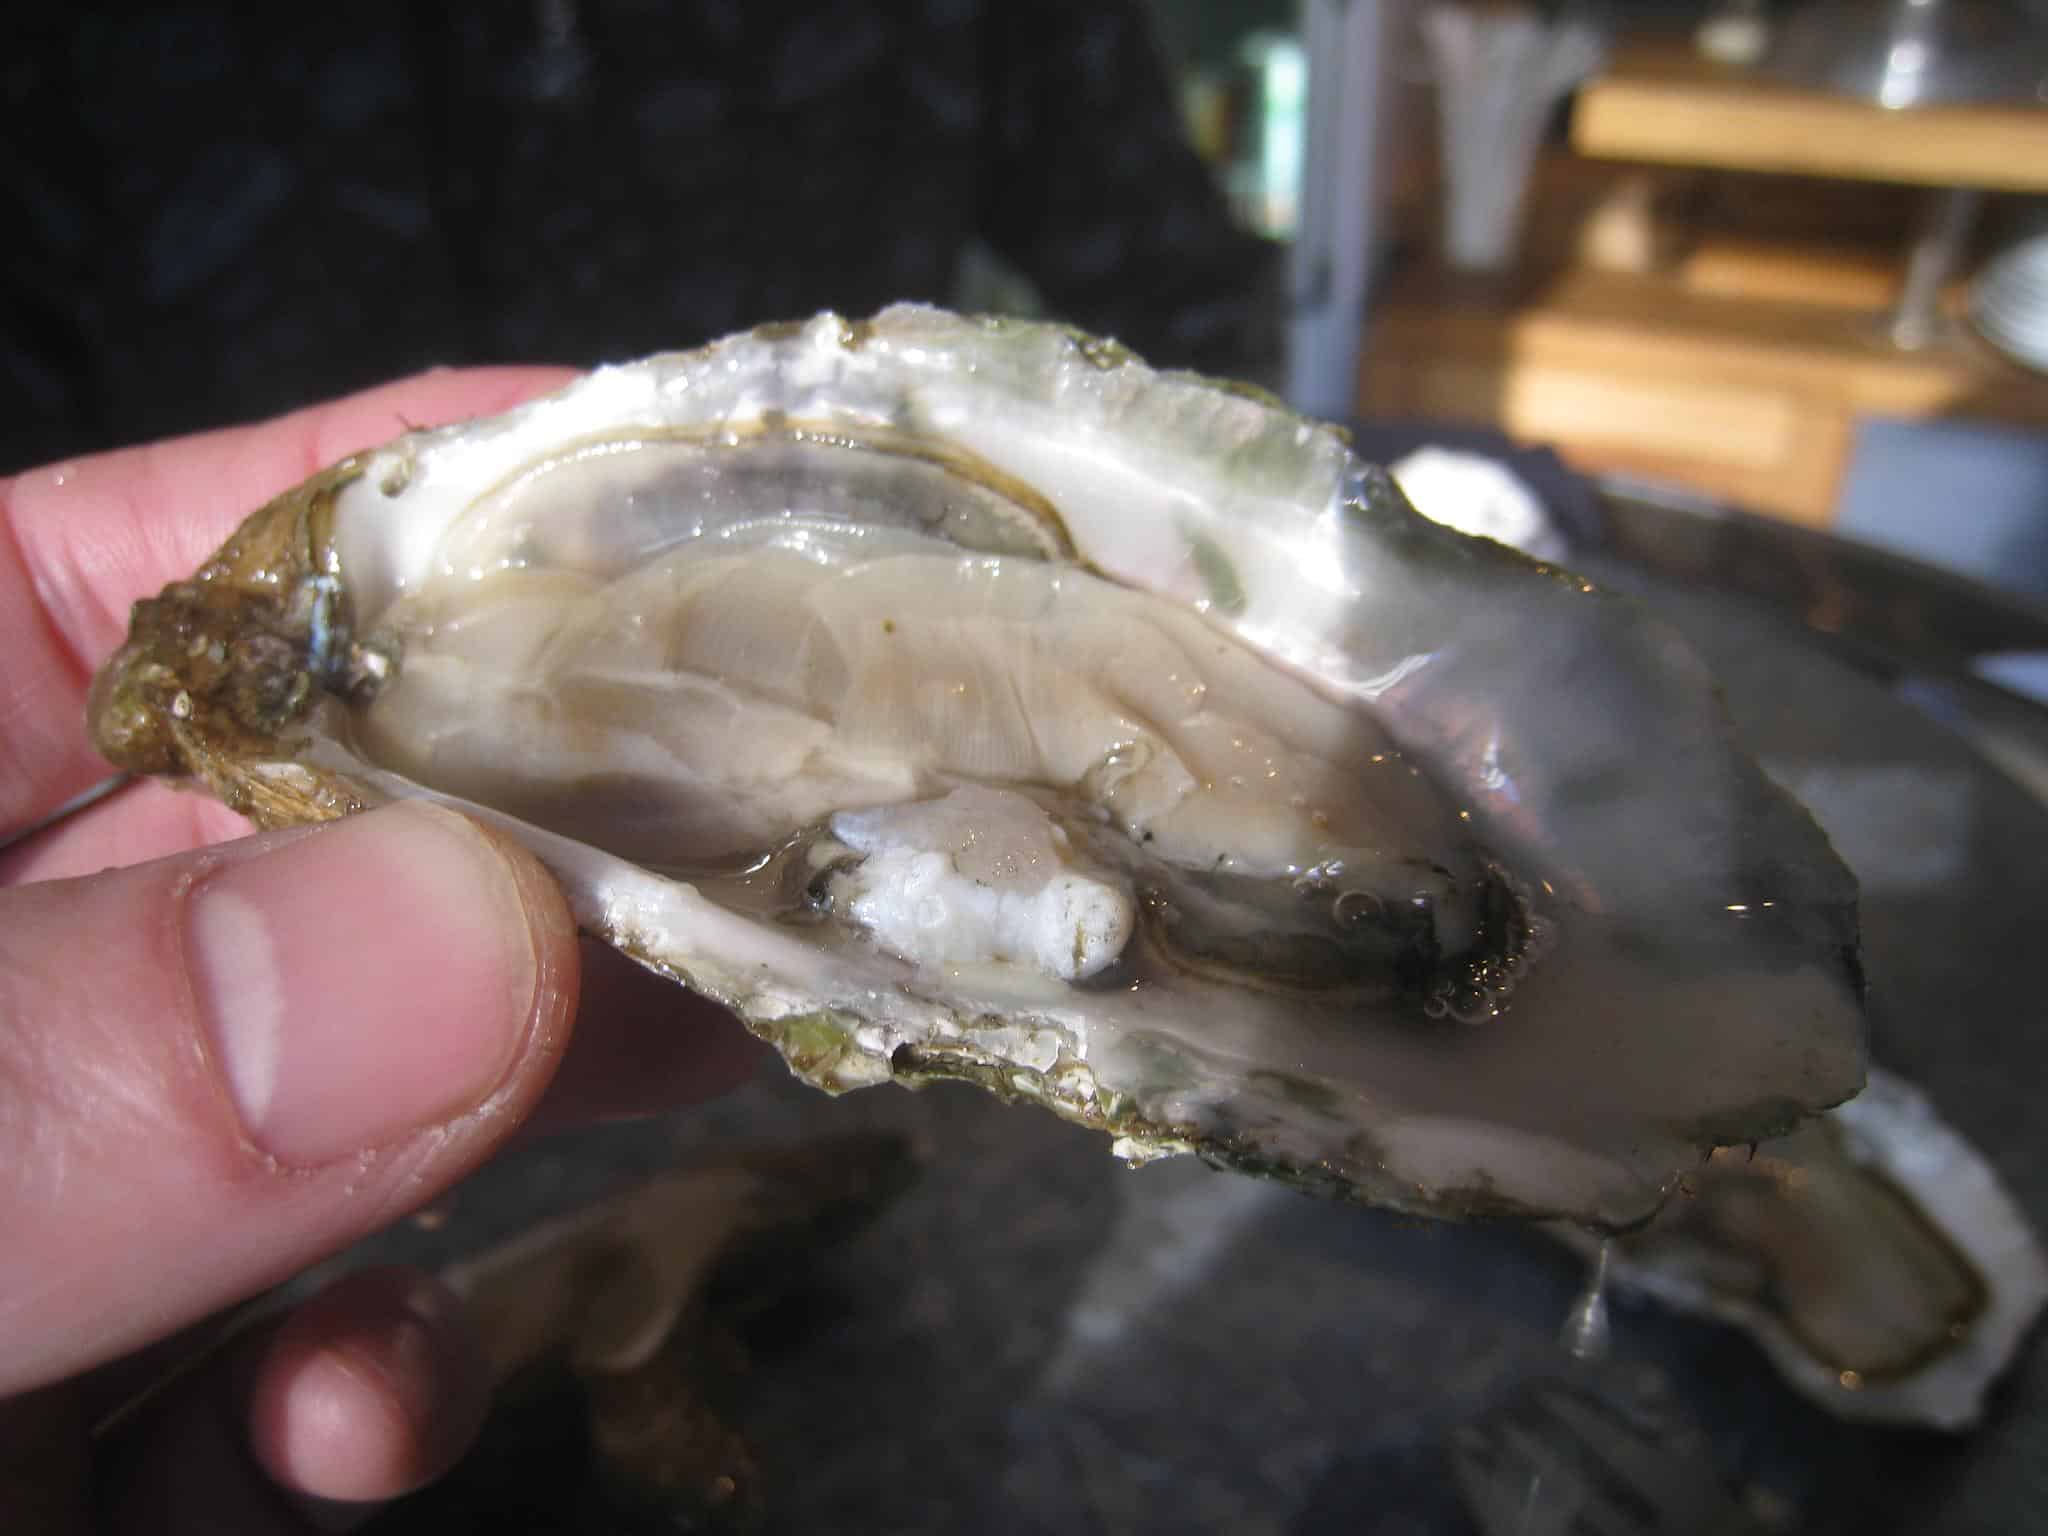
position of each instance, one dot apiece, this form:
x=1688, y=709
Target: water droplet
x=1587, y=1332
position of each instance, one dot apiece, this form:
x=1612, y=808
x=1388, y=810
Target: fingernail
x=362, y=983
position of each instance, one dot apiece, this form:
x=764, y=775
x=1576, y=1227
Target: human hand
x=221, y=1062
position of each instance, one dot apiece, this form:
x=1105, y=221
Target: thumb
x=219, y=1068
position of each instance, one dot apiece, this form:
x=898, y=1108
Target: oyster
x=964, y=699
x=1872, y=1253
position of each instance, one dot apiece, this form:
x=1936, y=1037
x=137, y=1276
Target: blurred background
x=1792, y=256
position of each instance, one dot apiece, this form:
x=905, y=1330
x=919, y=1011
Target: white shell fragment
x=980, y=877
x=960, y=698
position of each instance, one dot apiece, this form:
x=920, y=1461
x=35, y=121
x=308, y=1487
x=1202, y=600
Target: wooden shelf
x=1747, y=335
x=1662, y=103
x=1749, y=398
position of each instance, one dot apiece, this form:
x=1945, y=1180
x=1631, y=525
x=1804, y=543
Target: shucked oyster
x=1873, y=1253
x=965, y=699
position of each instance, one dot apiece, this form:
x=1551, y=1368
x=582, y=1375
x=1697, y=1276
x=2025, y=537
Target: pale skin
x=224, y=1058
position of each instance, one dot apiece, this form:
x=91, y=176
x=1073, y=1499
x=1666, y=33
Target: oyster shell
x=1873, y=1254
x=965, y=699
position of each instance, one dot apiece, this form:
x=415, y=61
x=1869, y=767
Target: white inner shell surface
x=683, y=612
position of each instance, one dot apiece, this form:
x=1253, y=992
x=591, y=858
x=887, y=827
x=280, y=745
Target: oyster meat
x=960, y=698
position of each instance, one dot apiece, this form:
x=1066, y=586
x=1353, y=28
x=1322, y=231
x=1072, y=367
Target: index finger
x=80, y=542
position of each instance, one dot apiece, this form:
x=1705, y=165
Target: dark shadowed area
x=219, y=212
